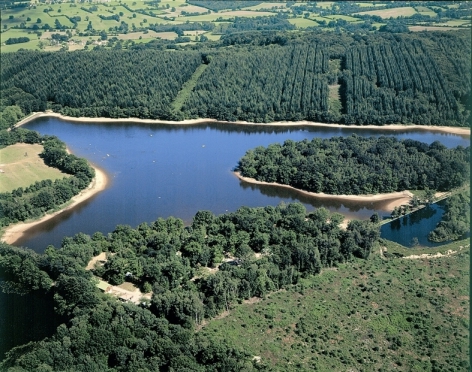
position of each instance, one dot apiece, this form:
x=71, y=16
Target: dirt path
x=450, y=252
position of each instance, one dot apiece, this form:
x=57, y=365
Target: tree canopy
x=358, y=165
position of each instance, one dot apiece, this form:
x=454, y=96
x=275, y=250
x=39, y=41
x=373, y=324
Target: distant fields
x=139, y=15
x=22, y=166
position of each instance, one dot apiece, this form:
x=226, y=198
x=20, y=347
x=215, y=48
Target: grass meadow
x=19, y=170
x=406, y=11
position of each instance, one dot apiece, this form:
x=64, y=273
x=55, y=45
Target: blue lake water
x=176, y=170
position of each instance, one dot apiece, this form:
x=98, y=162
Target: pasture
x=406, y=11
x=267, y=6
x=21, y=166
x=303, y=22
x=344, y=17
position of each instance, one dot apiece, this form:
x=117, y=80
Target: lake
x=167, y=170
x=176, y=170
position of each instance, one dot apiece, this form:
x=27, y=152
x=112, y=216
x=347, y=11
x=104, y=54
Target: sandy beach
x=13, y=232
x=392, y=127
x=394, y=196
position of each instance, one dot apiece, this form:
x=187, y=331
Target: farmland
x=101, y=21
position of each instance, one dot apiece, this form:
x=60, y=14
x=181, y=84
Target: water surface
x=175, y=170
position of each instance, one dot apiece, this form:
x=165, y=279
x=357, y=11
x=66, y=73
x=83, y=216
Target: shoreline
x=372, y=197
x=396, y=198
x=393, y=127
x=99, y=183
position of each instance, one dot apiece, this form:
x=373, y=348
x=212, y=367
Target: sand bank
x=404, y=195
x=395, y=198
x=13, y=232
x=388, y=127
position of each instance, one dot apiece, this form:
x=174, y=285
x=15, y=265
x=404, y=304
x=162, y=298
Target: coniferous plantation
x=357, y=165
x=420, y=78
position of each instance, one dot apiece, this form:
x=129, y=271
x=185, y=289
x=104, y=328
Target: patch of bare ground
x=128, y=292
x=252, y=300
x=434, y=28
x=448, y=253
x=101, y=257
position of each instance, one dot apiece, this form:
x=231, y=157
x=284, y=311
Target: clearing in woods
x=187, y=88
x=21, y=166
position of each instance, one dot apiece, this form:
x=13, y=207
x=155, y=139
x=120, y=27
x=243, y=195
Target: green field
x=21, y=166
x=268, y=5
x=303, y=22
x=346, y=18
x=383, y=314
x=393, y=12
x=187, y=88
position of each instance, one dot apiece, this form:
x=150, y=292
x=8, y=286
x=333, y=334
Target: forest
x=456, y=219
x=420, y=78
x=268, y=249
x=357, y=165
x=32, y=202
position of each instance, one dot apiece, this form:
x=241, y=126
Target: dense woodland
x=269, y=249
x=32, y=202
x=421, y=78
x=456, y=219
x=357, y=165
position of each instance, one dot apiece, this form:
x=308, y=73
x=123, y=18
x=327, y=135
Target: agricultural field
x=386, y=313
x=266, y=6
x=431, y=28
x=21, y=166
x=425, y=11
x=303, y=22
x=119, y=18
x=344, y=17
x=393, y=12
x=368, y=5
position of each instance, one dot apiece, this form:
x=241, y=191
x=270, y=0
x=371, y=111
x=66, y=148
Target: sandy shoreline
x=405, y=195
x=396, y=198
x=393, y=127
x=13, y=232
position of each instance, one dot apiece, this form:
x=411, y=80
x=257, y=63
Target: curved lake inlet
x=159, y=170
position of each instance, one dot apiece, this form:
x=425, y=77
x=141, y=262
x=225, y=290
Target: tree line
x=266, y=249
x=33, y=201
x=357, y=165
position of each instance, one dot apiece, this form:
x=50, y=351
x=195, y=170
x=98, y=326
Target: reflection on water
x=25, y=318
x=415, y=226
